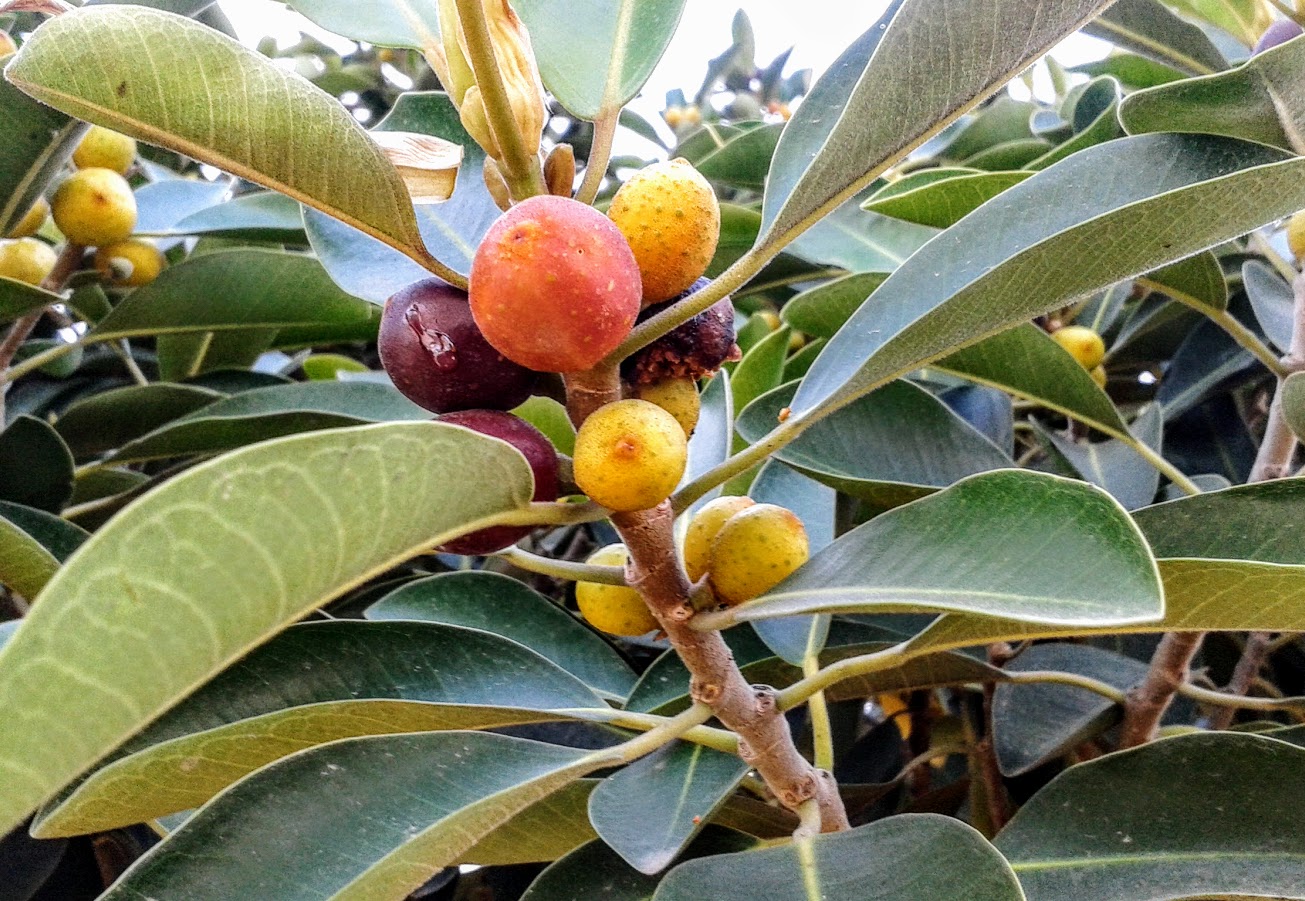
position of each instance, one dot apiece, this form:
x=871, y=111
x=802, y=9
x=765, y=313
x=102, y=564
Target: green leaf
x=175, y=83
x=1002, y=121
x=1260, y=100
x=506, y=607
x=822, y=310
x=313, y=684
x=56, y=535
x=1241, y=523
x=1207, y=361
x=406, y=805
x=1293, y=402
x=941, y=202
x=1034, y=723
x=1026, y=362
x=596, y=871
x=594, y=56
x=1011, y=155
x=264, y=215
x=1132, y=70
x=1148, y=28
x=309, y=517
x=1197, y=282
x=973, y=280
x=551, y=418
x=38, y=142
x=266, y=413
x=743, y=160
x=760, y=369
x=856, y=240
x=19, y=298
x=452, y=230
x=36, y=467
x=914, y=857
x=898, y=84
x=160, y=204
x=980, y=530
x=1105, y=127
x=650, y=811
x=1272, y=299
x=1191, y=816
x=112, y=418
x=386, y=23
x=894, y=445
x=710, y=443
x=1243, y=19
x=1115, y=465
x=233, y=290
x=25, y=566
x=184, y=355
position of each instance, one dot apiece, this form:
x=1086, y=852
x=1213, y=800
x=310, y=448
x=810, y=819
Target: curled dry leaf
x=428, y=165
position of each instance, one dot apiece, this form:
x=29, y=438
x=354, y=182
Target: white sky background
x=818, y=30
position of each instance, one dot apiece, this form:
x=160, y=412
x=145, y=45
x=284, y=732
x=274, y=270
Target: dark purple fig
x=1280, y=32
x=539, y=453
x=435, y=354
x=693, y=350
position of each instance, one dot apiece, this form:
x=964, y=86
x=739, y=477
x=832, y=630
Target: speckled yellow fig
x=754, y=551
x=1083, y=345
x=103, y=148
x=679, y=397
x=613, y=609
x=703, y=529
x=130, y=263
x=32, y=220
x=1296, y=235
x=95, y=207
x=26, y=260
x=629, y=455
x=671, y=218
x=1099, y=376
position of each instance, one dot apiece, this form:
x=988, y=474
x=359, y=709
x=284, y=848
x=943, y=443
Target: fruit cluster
x=92, y=207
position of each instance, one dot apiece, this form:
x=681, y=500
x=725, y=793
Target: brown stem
x=587, y=391
x=1243, y=676
x=751, y=711
x=1148, y=701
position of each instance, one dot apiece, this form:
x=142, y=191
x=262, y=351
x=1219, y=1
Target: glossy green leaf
x=924, y=64
x=1132, y=70
x=312, y=684
x=233, y=290
x=19, y=299
x=597, y=55
x=1011, y=155
x=974, y=279
x=551, y=418
x=1197, y=282
x=175, y=83
x=266, y=413
x=1036, y=722
x=596, y=871
x=386, y=23
x=25, y=566
x=309, y=517
x=452, y=230
x=822, y=310
x=979, y=531
x=1148, y=28
x=650, y=811
x=914, y=857
x=110, y=419
x=1002, y=121
x=1115, y=465
x=860, y=241
x=506, y=607
x=1191, y=816
x=38, y=142
x=406, y=806
x=1272, y=299
x=1104, y=127
x=1243, y=19
x=185, y=355
x=1261, y=100
x=710, y=443
x=55, y=534
x=940, y=202
x=36, y=467
x=743, y=160
x=760, y=369
x=889, y=447
x=1027, y=363
x=265, y=214
x=1241, y=523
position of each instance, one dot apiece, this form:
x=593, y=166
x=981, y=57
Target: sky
x=818, y=30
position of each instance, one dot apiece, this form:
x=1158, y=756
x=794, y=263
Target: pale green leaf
x=1148, y=28
x=308, y=518
x=940, y=202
